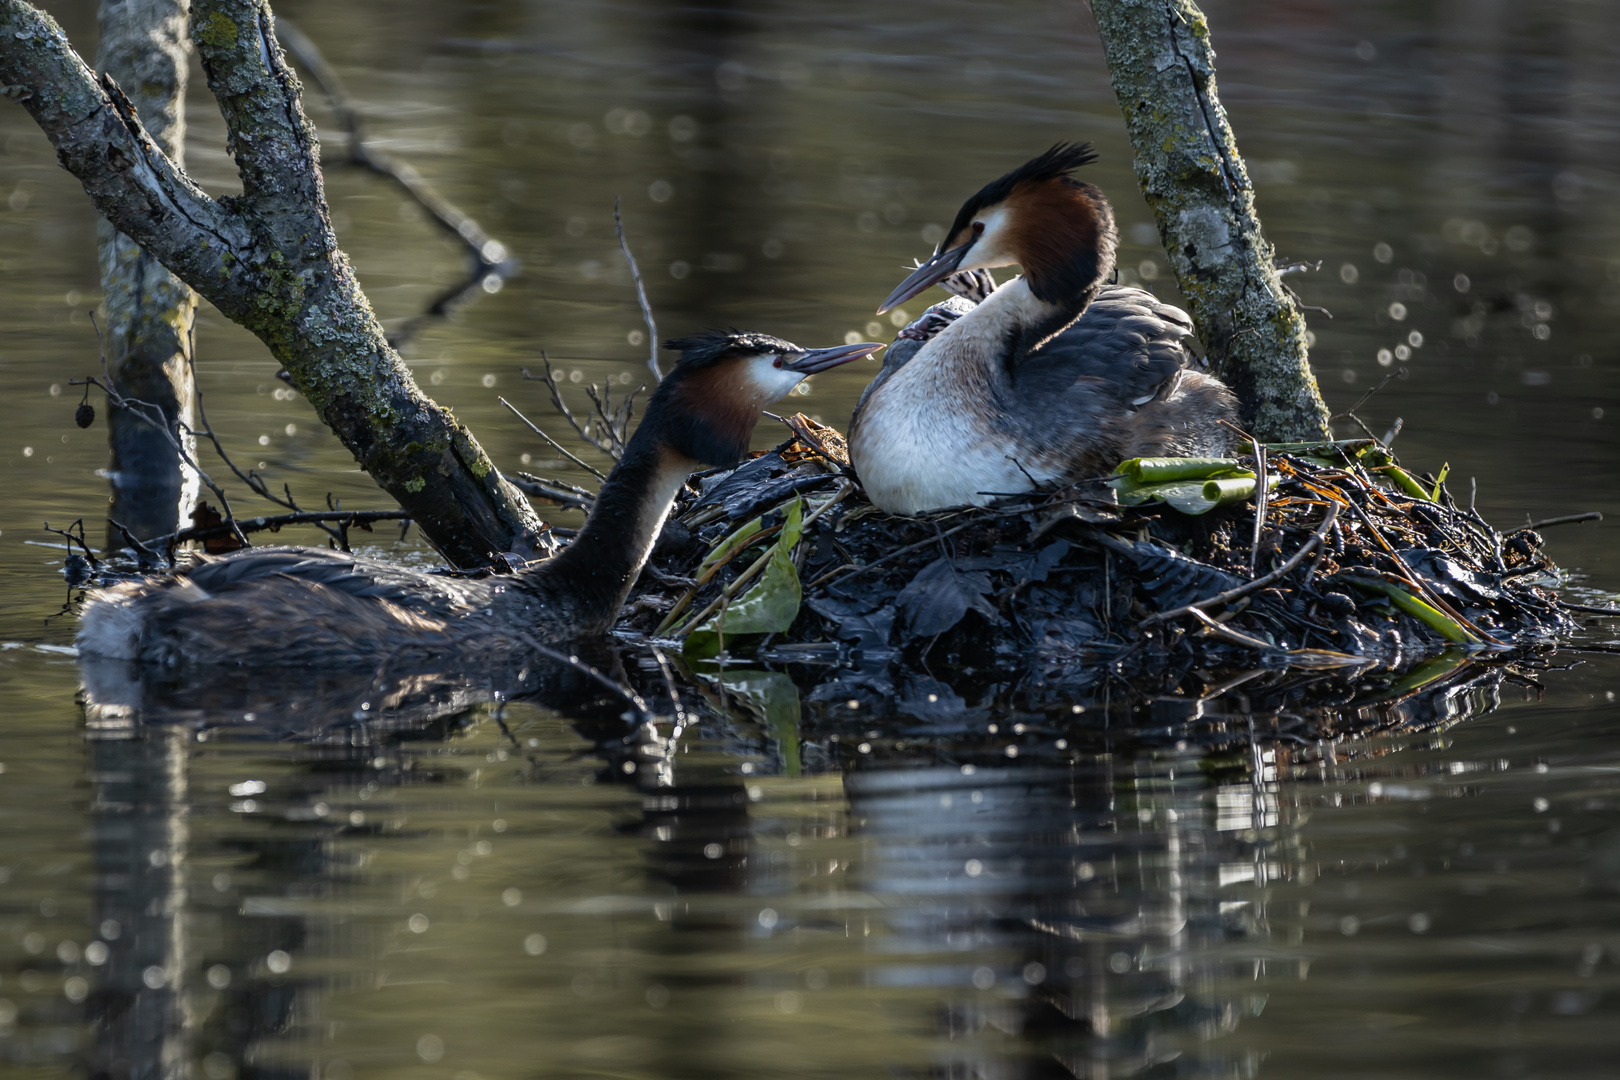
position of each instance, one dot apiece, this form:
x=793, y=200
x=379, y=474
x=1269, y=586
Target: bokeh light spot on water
x=430, y=1048
x=534, y=944
x=418, y=923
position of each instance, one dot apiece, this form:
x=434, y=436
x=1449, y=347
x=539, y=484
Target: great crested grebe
x=1052, y=378
x=312, y=606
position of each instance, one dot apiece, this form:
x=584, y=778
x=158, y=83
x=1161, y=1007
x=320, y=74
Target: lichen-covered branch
x=269, y=259
x=144, y=48
x=1193, y=178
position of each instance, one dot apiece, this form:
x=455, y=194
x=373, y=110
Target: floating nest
x=1317, y=557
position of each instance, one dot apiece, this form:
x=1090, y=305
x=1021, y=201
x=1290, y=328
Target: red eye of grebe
x=777, y=362
x=978, y=227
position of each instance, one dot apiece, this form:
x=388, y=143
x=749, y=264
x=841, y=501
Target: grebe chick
x=310, y=606
x=1052, y=378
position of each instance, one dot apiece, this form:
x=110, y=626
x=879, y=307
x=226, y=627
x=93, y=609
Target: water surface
x=468, y=891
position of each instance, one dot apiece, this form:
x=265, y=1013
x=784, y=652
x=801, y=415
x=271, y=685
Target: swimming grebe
x=311, y=606
x=1053, y=378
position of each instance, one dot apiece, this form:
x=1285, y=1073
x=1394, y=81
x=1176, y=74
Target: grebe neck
x=598, y=570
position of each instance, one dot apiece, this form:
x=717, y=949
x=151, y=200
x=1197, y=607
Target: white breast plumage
x=923, y=441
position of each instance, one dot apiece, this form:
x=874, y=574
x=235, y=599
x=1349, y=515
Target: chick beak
x=816, y=360
x=940, y=267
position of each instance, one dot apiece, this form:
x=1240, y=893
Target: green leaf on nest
x=768, y=607
x=1190, y=485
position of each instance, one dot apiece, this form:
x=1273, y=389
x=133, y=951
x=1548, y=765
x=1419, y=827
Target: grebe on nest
x=312, y=606
x=1052, y=378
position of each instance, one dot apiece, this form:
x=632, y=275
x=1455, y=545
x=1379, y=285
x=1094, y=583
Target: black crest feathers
x=1057, y=163
x=708, y=347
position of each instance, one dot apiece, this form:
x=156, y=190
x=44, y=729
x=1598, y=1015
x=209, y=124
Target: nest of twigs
x=1336, y=557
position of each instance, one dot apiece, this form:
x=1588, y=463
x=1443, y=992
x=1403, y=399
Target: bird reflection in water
x=1100, y=909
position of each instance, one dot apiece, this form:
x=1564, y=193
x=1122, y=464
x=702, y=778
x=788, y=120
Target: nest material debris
x=1353, y=559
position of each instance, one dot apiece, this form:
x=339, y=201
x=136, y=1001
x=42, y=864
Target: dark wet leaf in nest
x=765, y=495
x=1454, y=582
x=1172, y=579
x=940, y=595
x=760, y=484
x=857, y=621
x=1022, y=564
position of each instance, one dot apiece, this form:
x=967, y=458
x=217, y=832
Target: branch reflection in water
x=1023, y=900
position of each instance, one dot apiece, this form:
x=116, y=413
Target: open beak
x=937, y=269
x=824, y=359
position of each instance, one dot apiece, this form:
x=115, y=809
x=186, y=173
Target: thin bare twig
x=1259, y=501
x=132, y=541
x=154, y=416
x=557, y=445
x=348, y=518
x=565, y=495
x=1399, y=373
x=607, y=446
x=641, y=295
x=76, y=538
x=251, y=478
x=1231, y=635
x=1567, y=519
x=602, y=402
x=1259, y=583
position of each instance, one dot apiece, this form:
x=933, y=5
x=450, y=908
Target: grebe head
x=1060, y=230
x=708, y=404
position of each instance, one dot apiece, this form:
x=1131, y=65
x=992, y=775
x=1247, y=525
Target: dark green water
x=1441, y=898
